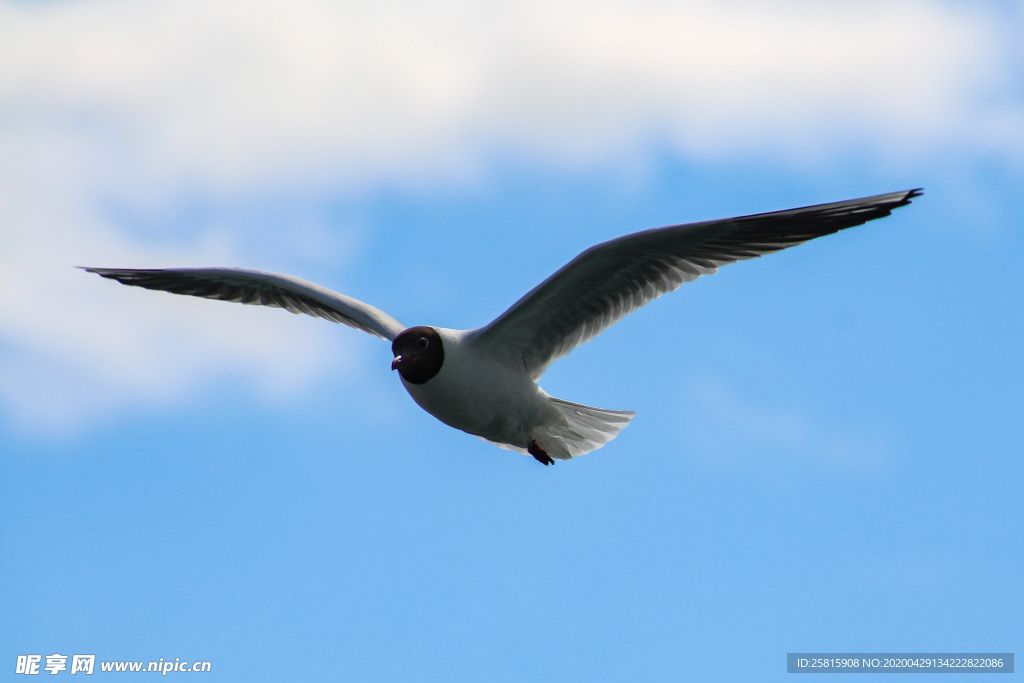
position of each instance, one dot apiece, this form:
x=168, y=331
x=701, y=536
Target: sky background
x=827, y=451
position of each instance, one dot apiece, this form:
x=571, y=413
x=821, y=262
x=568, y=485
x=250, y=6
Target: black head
x=419, y=354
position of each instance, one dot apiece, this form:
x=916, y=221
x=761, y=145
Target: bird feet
x=538, y=453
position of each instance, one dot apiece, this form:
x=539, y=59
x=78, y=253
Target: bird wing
x=614, y=278
x=259, y=287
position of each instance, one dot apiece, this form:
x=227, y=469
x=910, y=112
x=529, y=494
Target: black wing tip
x=911, y=194
x=107, y=271
x=119, y=274
x=896, y=199
x=102, y=272
x=891, y=200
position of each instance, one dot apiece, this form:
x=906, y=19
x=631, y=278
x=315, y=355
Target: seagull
x=484, y=381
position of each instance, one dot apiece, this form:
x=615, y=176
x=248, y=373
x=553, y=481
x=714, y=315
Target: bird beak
x=397, y=362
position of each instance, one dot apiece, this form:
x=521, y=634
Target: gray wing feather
x=261, y=288
x=613, y=279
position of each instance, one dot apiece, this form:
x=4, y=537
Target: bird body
x=478, y=395
x=473, y=391
x=484, y=381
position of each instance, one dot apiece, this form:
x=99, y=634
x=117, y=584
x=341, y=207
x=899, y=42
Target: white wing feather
x=261, y=288
x=612, y=279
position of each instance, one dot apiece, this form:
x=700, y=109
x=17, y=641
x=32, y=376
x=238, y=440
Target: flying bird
x=484, y=381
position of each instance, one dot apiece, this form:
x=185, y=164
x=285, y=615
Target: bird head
x=419, y=354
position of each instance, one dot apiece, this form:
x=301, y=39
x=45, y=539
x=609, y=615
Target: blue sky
x=825, y=456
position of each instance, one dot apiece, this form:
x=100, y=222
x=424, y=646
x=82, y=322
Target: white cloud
x=76, y=348
x=229, y=93
x=143, y=103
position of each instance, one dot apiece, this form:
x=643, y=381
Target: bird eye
x=423, y=342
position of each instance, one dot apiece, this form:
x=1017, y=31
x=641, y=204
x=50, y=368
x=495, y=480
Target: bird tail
x=579, y=429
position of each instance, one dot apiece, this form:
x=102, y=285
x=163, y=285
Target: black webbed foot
x=538, y=453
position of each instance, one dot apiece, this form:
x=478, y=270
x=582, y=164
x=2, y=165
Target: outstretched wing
x=262, y=288
x=612, y=279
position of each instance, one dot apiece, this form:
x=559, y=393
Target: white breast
x=480, y=396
